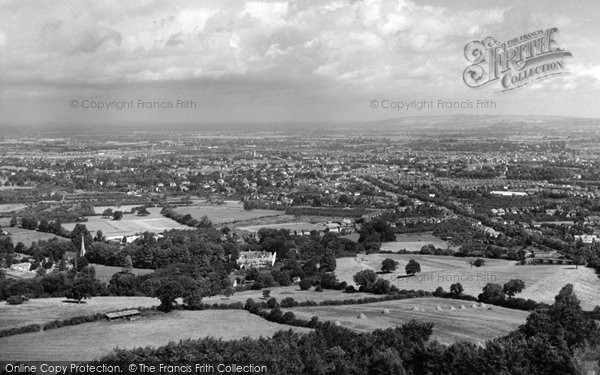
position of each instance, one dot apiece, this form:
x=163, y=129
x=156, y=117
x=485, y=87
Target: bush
x=288, y=302
x=305, y=284
x=318, y=288
x=272, y=303
x=19, y=330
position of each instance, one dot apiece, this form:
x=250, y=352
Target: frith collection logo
x=514, y=63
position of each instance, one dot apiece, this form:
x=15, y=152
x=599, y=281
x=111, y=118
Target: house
x=257, y=259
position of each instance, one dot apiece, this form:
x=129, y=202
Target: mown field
x=542, y=282
x=29, y=236
x=89, y=341
x=226, y=213
x=44, y=310
x=130, y=224
x=413, y=242
x=475, y=324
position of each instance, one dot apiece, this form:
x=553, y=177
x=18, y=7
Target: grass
x=227, y=213
x=413, y=242
x=472, y=324
x=130, y=224
x=104, y=273
x=542, y=282
x=292, y=227
x=288, y=291
x=11, y=207
x=44, y=310
x=92, y=340
x=28, y=236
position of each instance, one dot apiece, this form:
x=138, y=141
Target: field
x=11, y=207
x=125, y=208
x=292, y=227
x=471, y=324
x=92, y=340
x=225, y=213
x=413, y=242
x=29, y=236
x=287, y=291
x=130, y=224
x=542, y=282
x=44, y=310
x=104, y=273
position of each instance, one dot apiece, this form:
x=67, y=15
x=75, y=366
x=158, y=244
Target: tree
x=14, y=221
x=513, y=287
x=167, y=293
x=229, y=291
x=305, y=284
x=365, y=277
x=107, y=213
x=492, y=293
x=477, y=262
x=117, y=215
x=127, y=263
x=83, y=287
x=456, y=289
x=76, y=236
x=99, y=236
x=143, y=211
x=266, y=293
x=412, y=267
x=388, y=265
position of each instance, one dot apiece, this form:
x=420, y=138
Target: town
x=275, y=222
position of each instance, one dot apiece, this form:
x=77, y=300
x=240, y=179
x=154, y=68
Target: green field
x=44, y=310
x=130, y=224
x=226, y=213
x=29, y=236
x=104, y=273
x=471, y=324
x=88, y=341
x=288, y=291
x=542, y=282
x=413, y=242
x=11, y=207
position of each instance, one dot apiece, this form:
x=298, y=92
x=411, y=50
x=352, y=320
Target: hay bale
x=361, y=316
x=452, y=308
x=385, y=311
x=462, y=307
x=337, y=323
x=438, y=308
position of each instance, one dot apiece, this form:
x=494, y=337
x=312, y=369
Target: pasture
x=470, y=324
x=225, y=213
x=542, y=282
x=89, y=341
x=413, y=242
x=287, y=291
x=44, y=310
x=124, y=208
x=104, y=273
x=297, y=227
x=11, y=207
x=28, y=236
x=130, y=224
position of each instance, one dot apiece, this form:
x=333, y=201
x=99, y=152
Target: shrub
x=288, y=302
x=272, y=303
x=318, y=288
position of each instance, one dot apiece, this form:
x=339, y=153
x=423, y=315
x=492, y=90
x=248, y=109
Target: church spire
x=82, y=251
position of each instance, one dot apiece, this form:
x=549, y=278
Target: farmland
x=225, y=213
x=104, y=273
x=413, y=242
x=44, y=310
x=542, y=282
x=470, y=324
x=92, y=340
x=287, y=291
x=297, y=227
x=28, y=236
x=130, y=224
x=11, y=207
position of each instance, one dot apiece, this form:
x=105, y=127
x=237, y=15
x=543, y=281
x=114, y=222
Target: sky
x=296, y=61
